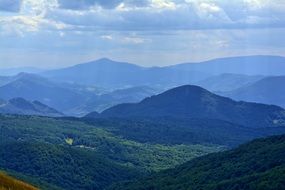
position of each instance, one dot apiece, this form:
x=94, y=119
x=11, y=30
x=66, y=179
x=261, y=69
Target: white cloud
x=134, y=40
x=107, y=37
x=163, y=4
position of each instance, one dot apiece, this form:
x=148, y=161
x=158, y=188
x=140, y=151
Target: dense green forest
x=88, y=153
x=258, y=165
x=171, y=130
x=71, y=153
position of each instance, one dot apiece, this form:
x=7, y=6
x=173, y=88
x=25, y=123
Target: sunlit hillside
x=10, y=183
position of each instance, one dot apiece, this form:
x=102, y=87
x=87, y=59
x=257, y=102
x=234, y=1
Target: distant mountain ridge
x=34, y=87
x=195, y=102
x=269, y=90
x=94, y=86
x=24, y=107
x=109, y=73
x=247, y=65
x=69, y=98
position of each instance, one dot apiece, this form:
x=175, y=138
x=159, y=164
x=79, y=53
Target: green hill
x=66, y=167
x=257, y=165
x=195, y=102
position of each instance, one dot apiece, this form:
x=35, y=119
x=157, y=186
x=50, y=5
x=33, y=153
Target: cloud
x=171, y=15
x=10, y=5
x=151, y=15
x=134, y=40
x=163, y=4
x=107, y=4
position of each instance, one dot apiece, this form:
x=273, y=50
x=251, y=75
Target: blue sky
x=59, y=33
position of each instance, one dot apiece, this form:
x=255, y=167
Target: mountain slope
x=24, y=107
x=269, y=90
x=195, y=102
x=10, y=183
x=259, y=164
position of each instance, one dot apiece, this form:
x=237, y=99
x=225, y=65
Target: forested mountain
x=195, y=102
x=259, y=164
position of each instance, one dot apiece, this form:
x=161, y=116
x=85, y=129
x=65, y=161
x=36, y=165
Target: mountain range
x=107, y=73
x=106, y=83
x=111, y=74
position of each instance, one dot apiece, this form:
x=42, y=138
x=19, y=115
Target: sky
x=60, y=33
